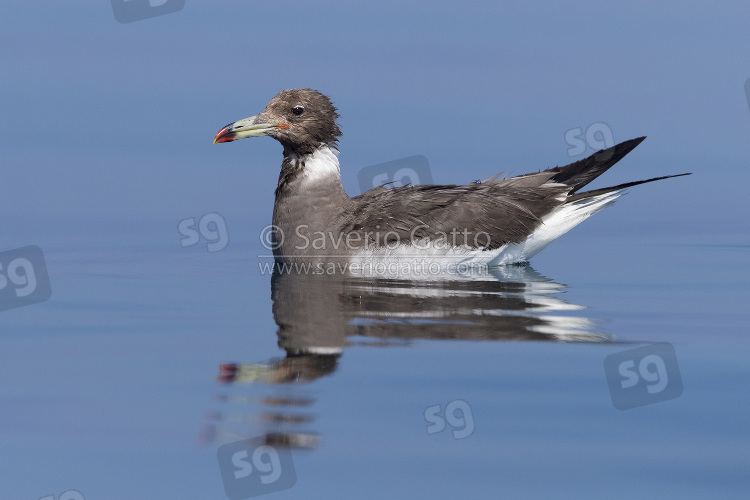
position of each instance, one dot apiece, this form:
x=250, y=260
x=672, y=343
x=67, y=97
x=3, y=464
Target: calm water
x=149, y=357
x=615, y=366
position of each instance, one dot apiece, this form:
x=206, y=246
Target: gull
x=494, y=222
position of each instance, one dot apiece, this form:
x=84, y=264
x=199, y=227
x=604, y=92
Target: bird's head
x=301, y=120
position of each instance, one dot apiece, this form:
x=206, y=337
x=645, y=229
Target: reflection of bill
x=414, y=170
x=281, y=371
x=128, y=11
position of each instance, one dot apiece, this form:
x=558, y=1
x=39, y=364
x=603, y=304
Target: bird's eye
x=298, y=110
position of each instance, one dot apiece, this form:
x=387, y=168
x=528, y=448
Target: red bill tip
x=224, y=135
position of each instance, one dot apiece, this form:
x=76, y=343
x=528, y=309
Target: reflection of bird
x=493, y=222
x=318, y=317
x=321, y=315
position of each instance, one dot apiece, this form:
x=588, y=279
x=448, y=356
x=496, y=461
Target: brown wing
x=480, y=215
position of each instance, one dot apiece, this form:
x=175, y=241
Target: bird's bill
x=242, y=129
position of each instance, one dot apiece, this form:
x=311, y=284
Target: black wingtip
x=635, y=141
x=632, y=143
x=578, y=174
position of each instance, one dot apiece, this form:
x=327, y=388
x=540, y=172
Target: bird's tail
x=578, y=174
x=597, y=192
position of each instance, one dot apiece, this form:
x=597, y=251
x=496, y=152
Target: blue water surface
x=149, y=355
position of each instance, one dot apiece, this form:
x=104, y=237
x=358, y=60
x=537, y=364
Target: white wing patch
x=554, y=225
x=410, y=260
